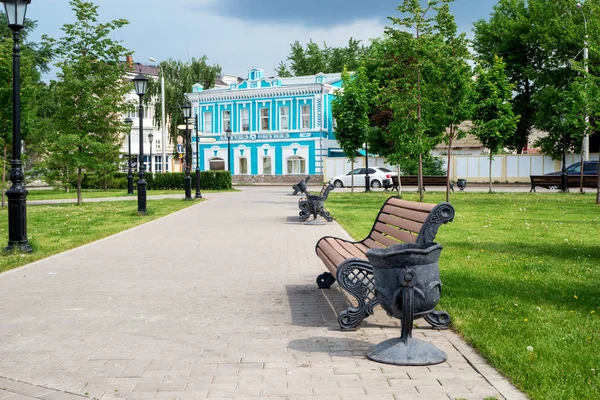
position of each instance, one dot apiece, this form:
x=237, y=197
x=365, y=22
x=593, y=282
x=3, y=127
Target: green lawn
x=56, y=194
x=520, y=271
x=53, y=229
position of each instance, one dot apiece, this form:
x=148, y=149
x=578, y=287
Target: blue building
x=281, y=128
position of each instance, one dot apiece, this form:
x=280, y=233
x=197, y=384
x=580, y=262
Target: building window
x=264, y=119
x=217, y=164
x=158, y=164
x=284, y=118
x=245, y=120
x=296, y=165
x=243, y=161
x=305, y=115
x=208, y=122
x=267, y=165
x=226, y=117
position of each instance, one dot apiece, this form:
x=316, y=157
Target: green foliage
x=493, y=117
x=313, y=59
x=179, y=79
x=350, y=109
x=88, y=96
x=411, y=63
x=209, y=180
x=431, y=166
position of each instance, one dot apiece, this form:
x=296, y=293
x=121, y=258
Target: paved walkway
x=216, y=301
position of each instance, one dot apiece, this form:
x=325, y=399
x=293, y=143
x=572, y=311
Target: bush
x=431, y=166
x=209, y=180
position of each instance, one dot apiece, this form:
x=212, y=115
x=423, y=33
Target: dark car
x=589, y=168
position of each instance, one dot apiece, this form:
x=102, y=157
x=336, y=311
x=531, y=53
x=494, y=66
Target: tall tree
x=34, y=61
x=493, y=117
x=410, y=72
x=314, y=59
x=89, y=95
x=351, y=108
x=179, y=79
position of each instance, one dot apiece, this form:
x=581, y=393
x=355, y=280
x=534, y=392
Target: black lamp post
x=228, y=133
x=129, y=123
x=187, y=113
x=17, y=194
x=198, y=194
x=150, y=139
x=367, y=177
x=141, y=82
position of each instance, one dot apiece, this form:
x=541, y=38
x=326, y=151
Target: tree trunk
x=352, y=177
x=448, y=166
x=491, y=158
x=4, y=176
x=420, y=177
x=105, y=181
x=399, y=182
x=581, y=174
x=79, y=200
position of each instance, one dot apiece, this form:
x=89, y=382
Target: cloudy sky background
x=239, y=34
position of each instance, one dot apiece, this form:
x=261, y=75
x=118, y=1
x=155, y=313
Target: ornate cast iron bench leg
x=304, y=207
x=325, y=280
x=356, y=277
x=438, y=319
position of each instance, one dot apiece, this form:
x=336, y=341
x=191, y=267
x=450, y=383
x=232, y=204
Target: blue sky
x=239, y=34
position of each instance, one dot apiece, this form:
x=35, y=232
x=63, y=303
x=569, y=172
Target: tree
x=89, y=95
x=493, y=117
x=351, y=109
x=34, y=61
x=313, y=59
x=179, y=79
x=410, y=71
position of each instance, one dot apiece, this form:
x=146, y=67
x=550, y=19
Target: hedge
x=209, y=180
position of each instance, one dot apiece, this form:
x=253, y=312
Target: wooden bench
x=301, y=186
x=413, y=180
x=551, y=181
x=398, y=221
x=313, y=204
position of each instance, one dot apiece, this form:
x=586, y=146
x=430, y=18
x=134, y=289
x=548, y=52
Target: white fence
x=505, y=168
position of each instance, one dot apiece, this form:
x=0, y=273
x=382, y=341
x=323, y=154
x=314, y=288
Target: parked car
x=379, y=177
x=589, y=168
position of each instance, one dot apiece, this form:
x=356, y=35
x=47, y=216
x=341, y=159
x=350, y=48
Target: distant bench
x=301, y=186
x=314, y=204
x=550, y=181
x=413, y=180
x=398, y=221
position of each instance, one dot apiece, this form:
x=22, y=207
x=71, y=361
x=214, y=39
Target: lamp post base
x=142, y=196
x=130, y=184
x=198, y=194
x=17, y=220
x=188, y=184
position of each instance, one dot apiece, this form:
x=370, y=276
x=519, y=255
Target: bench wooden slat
x=331, y=266
x=411, y=215
x=412, y=226
x=352, y=248
x=411, y=205
x=339, y=248
x=328, y=250
x=397, y=234
x=386, y=241
x=370, y=243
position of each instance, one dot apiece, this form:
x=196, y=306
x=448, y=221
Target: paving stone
x=236, y=315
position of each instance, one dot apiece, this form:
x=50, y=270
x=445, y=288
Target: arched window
x=217, y=164
x=296, y=165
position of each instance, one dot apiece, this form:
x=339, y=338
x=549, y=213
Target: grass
x=520, y=274
x=57, y=194
x=53, y=229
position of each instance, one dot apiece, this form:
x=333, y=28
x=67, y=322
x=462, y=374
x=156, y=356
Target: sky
x=239, y=34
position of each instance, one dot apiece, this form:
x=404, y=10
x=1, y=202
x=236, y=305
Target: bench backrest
x=328, y=187
x=401, y=221
x=572, y=180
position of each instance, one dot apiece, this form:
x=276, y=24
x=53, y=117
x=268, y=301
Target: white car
x=379, y=177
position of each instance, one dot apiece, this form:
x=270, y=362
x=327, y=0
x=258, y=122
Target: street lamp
x=162, y=116
x=585, y=146
x=129, y=123
x=141, y=83
x=198, y=194
x=187, y=113
x=17, y=194
x=150, y=139
x=228, y=133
